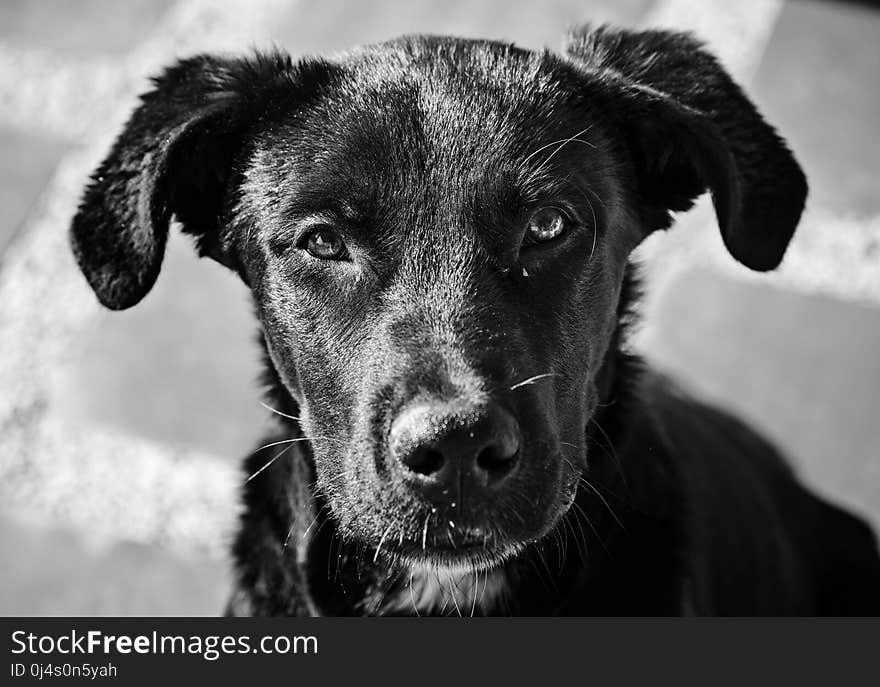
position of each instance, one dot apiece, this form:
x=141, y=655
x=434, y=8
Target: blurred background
x=121, y=433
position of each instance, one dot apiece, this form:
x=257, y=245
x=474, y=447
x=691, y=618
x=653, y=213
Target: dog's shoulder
x=716, y=440
x=746, y=514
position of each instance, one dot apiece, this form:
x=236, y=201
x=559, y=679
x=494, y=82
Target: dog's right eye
x=324, y=244
x=544, y=225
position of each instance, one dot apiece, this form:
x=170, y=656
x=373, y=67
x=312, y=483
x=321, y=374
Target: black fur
x=428, y=157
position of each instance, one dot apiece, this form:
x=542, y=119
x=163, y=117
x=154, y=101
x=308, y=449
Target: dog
x=437, y=236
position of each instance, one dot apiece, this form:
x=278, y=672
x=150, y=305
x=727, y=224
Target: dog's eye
x=544, y=225
x=325, y=244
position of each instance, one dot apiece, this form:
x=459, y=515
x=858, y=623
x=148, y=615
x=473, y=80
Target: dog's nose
x=444, y=449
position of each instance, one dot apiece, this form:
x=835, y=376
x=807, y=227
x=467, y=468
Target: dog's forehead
x=433, y=101
x=427, y=126
x=453, y=64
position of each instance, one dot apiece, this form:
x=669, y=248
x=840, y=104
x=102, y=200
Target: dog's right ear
x=176, y=156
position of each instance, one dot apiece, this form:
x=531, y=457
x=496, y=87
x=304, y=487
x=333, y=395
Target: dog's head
x=435, y=232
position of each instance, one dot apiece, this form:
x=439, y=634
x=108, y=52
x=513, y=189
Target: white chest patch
x=450, y=592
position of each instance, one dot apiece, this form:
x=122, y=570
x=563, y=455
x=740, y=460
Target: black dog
x=436, y=233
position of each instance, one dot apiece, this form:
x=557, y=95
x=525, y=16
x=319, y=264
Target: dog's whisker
x=311, y=524
x=425, y=533
x=336, y=480
x=573, y=139
x=451, y=591
x=330, y=559
x=293, y=441
x=385, y=589
x=590, y=525
x=271, y=460
x=557, y=541
x=602, y=498
x=535, y=548
x=532, y=380
x=289, y=534
x=278, y=455
x=542, y=556
x=331, y=439
x=566, y=543
x=610, y=449
x=543, y=148
x=574, y=468
x=412, y=593
x=560, y=537
x=475, y=584
x=570, y=523
x=485, y=587
x=381, y=541
x=561, y=142
x=565, y=536
x=321, y=526
x=578, y=513
x=586, y=198
x=278, y=412
x=595, y=228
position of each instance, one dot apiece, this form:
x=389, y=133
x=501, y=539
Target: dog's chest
x=443, y=592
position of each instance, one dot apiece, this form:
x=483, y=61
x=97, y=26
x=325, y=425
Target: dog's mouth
x=479, y=543
x=402, y=528
x=470, y=551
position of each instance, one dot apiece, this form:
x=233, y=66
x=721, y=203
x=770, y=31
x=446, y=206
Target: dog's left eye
x=544, y=225
x=324, y=244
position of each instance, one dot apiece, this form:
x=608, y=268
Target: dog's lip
x=474, y=549
x=463, y=542
x=460, y=559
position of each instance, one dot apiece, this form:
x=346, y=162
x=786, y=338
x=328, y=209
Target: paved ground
x=119, y=432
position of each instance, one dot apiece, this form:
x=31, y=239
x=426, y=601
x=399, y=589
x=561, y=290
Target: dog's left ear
x=691, y=128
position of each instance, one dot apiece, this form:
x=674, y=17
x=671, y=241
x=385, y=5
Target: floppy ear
x=691, y=128
x=175, y=156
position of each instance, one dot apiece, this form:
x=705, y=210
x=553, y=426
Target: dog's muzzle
x=455, y=455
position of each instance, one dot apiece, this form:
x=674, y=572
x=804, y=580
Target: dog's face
x=436, y=268
x=435, y=232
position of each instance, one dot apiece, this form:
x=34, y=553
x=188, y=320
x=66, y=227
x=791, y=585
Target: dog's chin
x=467, y=551
x=462, y=560
x=484, y=540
